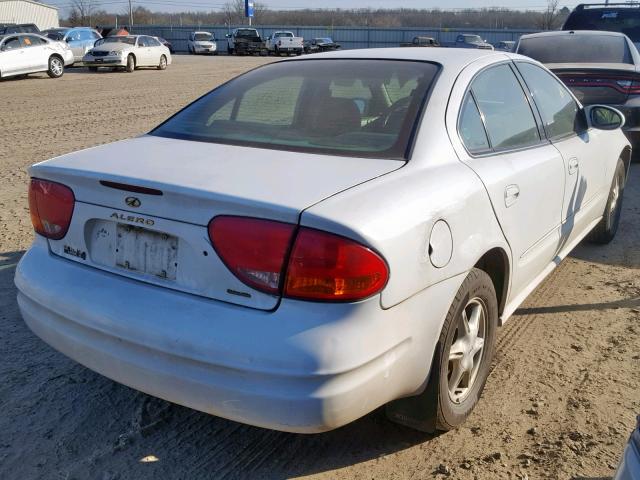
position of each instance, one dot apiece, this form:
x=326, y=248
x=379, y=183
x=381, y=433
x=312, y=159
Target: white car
x=128, y=52
x=23, y=53
x=320, y=237
x=202, y=42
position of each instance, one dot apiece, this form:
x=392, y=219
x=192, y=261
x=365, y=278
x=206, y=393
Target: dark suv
x=6, y=28
x=611, y=17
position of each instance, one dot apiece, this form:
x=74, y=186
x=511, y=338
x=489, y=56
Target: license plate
x=144, y=251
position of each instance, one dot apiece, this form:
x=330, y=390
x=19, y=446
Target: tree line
x=84, y=13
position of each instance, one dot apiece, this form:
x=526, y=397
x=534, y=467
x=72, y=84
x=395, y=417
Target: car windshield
x=624, y=20
x=117, y=39
x=54, y=34
x=472, y=38
x=576, y=49
x=202, y=37
x=325, y=40
x=366, y=108
x=283, y=35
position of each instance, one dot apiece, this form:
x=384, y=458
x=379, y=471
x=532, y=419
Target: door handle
x=511, y=194
x=573, y=165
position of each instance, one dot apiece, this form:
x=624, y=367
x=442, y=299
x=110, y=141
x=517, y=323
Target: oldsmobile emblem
x=132, y=202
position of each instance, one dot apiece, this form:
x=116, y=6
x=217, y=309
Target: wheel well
x=626, y=158
x=57, y=56
x=495, y=263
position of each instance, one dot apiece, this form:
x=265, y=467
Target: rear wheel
x=163, y=63
x=131, y=64
x=606, y=230
x=461, y=360
x=56, y=67
x=229, y=51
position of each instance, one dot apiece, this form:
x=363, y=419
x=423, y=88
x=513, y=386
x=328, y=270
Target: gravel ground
x=559, y=404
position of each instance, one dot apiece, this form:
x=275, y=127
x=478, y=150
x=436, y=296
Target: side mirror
x=228, y=35
x=604, y=117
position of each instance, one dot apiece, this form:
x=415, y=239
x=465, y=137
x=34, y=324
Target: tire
x=131, y=64
x=93, y=69
x=606, y=230
x=276, y=51
x=163, y=63
x=56, y=67
x=455, y=400
x=229, y=51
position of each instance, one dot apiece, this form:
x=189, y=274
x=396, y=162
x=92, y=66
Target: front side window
x=349, y=107
x=558, y=109
x=12, y=43
x=508, y=117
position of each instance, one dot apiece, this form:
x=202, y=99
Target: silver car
x=79, y=39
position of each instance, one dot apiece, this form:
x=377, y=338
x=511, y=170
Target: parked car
x=421, y=42
x=599, y=67
x=629, y=468
x=80, y=39
x=466, y=40
x=319, y=45
x=202, y=42
x=285, y=42
x=24, y=53
x=7, y=28
x=505, y=46
x=616, y=17
x=320, y=237
x=128, y=52
x=245, y=41
x=167, y=44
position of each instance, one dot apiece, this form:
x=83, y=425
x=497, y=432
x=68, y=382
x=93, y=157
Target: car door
x=156, y=50
x=145, y=52
x=582, y=150
x=36, y=53
x=76, y=44
x=12, y=57
x=522, y=172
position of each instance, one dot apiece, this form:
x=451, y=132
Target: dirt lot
x=559, y=404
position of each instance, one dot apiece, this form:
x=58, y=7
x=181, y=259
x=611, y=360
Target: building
x=28, y=11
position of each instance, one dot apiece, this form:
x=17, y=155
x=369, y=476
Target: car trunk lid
x=143, y=205
x=609, y=84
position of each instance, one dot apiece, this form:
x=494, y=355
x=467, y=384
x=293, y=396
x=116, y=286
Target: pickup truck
x=421, y=42
x=285, y=42
x=245, y=41
x=466, y=40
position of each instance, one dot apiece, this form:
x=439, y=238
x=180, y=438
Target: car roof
x=456, y=58
x=564, y=33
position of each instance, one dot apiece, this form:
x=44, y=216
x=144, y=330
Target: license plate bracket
x=147, y=252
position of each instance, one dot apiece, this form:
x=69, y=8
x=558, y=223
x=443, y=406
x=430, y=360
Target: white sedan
x=320, y=237
x=24, y=53
x=128, y=52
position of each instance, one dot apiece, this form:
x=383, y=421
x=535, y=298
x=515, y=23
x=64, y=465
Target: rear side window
x=471, y=128
x=508, y=117
x=365, y=108
x=577, y=48
x=557, y=107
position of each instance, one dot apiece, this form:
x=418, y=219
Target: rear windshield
x=623, y=20
x=576, y=49
x=366, y=108
x=202, y=37
x=116, y=39
x=247, y=33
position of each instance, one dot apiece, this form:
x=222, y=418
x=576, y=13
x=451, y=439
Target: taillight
x=253, y=249
x=321, y=266
x=628, y=86
x=51, y=207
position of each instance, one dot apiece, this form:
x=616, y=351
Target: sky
x=182, y=5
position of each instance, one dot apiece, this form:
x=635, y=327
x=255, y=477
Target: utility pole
x=130, y=16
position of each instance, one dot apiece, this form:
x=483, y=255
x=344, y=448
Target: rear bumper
x=303, y=368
